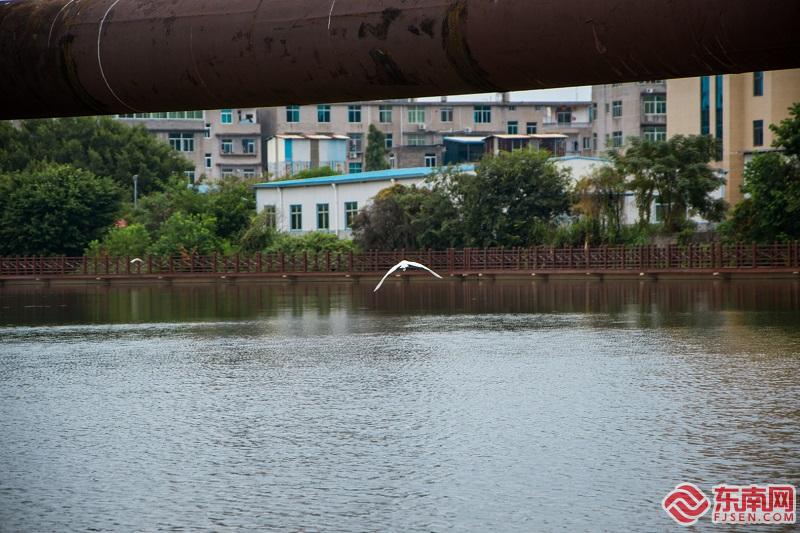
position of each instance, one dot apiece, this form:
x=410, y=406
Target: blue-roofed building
x=330, y=203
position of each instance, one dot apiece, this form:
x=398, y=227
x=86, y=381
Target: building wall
x=335, y=195
x=741, y=107
x=427, y=135
x=634, y=120
x=207, y=133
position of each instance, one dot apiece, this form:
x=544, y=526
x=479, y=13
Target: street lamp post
x=135, y=191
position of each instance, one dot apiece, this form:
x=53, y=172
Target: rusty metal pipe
x=80, y=57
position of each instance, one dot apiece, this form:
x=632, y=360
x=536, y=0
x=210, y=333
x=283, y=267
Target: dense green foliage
x=376, y=154
x=508, y=202
x=183, y=234
x=600, y=201
x=133, y=241
x=677, y=173
x=319, y=172
x=771, y=208
x=101, y=145
x=50, y=209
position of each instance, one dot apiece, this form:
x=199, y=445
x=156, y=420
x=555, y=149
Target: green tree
x=233, y=205
x=678, y=173
x=101, y=145
x=315, y=242
x=318, y=172
x=133, y=241
x=184, y=234
x=510, y=197
x=771, y=208
x=260, y=234
x=54, y=209
x=391, y=221
x=600, y=198
x=376, y=154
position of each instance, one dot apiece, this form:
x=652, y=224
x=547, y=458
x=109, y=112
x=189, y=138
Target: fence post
x=305, y=261
x=350, y=261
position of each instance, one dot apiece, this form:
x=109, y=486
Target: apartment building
x=290, y=154
x=737, y=109
x=415, y=129
x=222, y=142
x=624, y=110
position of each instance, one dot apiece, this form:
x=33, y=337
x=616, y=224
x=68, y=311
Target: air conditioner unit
x=354, y=155
x=423, y=127
x=650, y=91
x=467, y=130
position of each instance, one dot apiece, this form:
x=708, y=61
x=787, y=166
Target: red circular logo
x=686, y=504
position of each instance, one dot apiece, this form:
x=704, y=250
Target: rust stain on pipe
x=81, y=57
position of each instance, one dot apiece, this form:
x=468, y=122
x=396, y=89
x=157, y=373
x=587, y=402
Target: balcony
x=552, y=124
x=656, y=119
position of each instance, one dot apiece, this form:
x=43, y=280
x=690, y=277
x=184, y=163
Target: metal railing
x=777, y=256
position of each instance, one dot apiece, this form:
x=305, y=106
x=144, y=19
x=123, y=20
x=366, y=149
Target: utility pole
x=135, y=191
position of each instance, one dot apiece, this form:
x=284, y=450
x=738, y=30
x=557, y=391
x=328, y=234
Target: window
x=758, y=133
x=616, y=108
x=227, y=172
x=512, y=108
x=189, y=174
x=587, y=143
x=323, y=113
x=295, y=217
x=270, y=216
x=655, y=133
x=356, y=142
x=564, y=116
x=593, y=112
x=208, y=160
x=207, y=131
x=226, y=116
x=354, y=167
x=227, y=146
x=483, y=114
x=705, y=105
x=655, y=104
x=416, y=139
x=248, y=146
x=513, y=127
x=350, y=212
x=616, y=139
x=446, y=114
x=354, y=114
x=530, y=128
x=292, y=113
x=249, y=172
x=430, y=160
x=416, y=115
x=385, y=114
x=392, y=161
x=594, y=142
x=323, y=217
x=758, y=83
x=389, y=141
x=172, y=115
x=182, y=142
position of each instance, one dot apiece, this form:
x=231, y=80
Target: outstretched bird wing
x=398, y=265
x=420, y=265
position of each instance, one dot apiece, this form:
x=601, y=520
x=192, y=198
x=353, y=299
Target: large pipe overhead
x=82, y=57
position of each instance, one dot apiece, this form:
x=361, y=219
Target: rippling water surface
x=427, y=407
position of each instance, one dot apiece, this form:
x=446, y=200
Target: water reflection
x=465, y=406
x=141, y=304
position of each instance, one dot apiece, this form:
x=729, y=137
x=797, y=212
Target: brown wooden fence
x=778, y=256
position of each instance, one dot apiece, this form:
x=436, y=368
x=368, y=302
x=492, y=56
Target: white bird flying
x=403, y=265
x=136, y=260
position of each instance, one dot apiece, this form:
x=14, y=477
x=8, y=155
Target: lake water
x=441, y=406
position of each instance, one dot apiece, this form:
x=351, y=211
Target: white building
x=289, y=154
x=331, y=203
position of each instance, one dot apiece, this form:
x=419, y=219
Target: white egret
x=403, y=265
